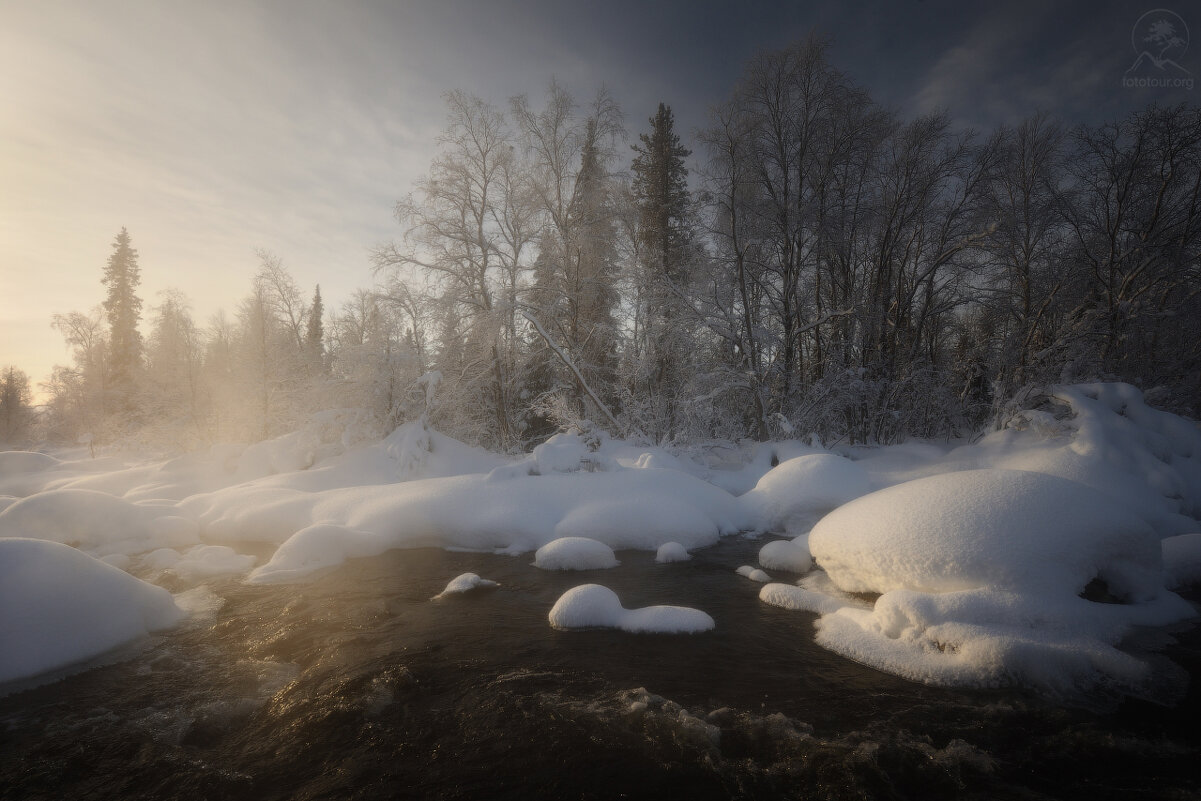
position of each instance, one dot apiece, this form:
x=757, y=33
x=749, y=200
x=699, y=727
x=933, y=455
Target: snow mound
x=313, y=548
x=638, y=509
x=465, y=583
x=799, y=599
x=753, y=573
x=95, y=522
x=199, y=562
x=791, y=556
x=59, y=606
x=1144, y=458
x=13, y=463
x=575, y=553
x=595, y=606
x=981, y=574
x=671, y=552
x=1182, y=560
x=788, y=495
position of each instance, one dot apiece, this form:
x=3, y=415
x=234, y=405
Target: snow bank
x=199, y=562
x=575, y=553
x=980, y=574
x=95, y=522
x=637, y=509
x=464, y=583
x=1109, y=439
x=59, y=606
x=671, y=552
x=790, y=494
x=1182, y=560
x=594, y=606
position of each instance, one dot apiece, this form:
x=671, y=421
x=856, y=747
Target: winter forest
x=813, y=264
x=823, y=452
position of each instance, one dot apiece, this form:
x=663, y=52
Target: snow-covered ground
x=1021, y=559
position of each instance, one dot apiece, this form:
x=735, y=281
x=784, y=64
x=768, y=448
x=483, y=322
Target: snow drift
x=59, y=606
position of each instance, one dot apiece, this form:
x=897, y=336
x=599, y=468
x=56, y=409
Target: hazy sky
x=210, y=129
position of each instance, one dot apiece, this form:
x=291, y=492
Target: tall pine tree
x=123, y=308
x=315, y=332
x=660, y=189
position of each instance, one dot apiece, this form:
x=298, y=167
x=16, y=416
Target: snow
x=1182, y=560
x=980, y=574
x=791, y=556
x=575, y=553
x=199, y=562
x=753, y=573
x=965, y=565
x=465, y=583
x=671, y=552
x=59, y=606
x=596, y=606
x=788, y=495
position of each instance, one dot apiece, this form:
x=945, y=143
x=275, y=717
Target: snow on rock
x=208, y=561
x=59, y=606
x=94, y=521
x=981, y=574
x=788, y=495
x=671, y=552
x=791, y=556
x=753, y=573
x=1182, y=560
x=595, y=606
x=1148, y=460
x=575, y=553
x=465, y=583
x=638, y=509
x=789, y=596
x=316, y=547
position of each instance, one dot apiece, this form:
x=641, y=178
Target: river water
x=355, y=685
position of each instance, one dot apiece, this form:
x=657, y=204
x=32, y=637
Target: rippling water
x=357, y=685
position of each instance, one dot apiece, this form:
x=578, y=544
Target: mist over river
x=356, y=685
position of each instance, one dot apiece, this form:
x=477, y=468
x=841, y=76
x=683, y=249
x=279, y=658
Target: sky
x=211, y=130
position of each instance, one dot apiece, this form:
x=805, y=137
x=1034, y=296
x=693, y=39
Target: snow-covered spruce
x=575, y=553
x=59, y=606
x=595, y=606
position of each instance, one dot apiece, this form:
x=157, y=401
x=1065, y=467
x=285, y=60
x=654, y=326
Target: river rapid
x=356, y=685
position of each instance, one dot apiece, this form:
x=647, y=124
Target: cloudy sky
x=210, y=129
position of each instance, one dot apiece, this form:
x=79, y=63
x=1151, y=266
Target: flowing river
x=355, y=684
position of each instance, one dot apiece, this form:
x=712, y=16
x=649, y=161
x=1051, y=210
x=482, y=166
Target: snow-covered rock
x=671, y=552
x=59, y=606
x=981, y=574
x=790, y=494
x=465, y=582
x=595, y=606
x=753, y=573
x=575, y=553
x=1182, y=560
x=791, y=556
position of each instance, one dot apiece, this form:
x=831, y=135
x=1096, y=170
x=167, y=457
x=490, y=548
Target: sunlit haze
x=212, y=129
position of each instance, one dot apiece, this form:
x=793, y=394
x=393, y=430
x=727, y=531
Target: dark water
x=356, y=686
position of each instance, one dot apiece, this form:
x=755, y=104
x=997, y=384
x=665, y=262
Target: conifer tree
x=660, y=189
x=123, y=308
x=315, y=332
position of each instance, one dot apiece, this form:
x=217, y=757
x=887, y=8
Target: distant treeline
x=833, y=269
